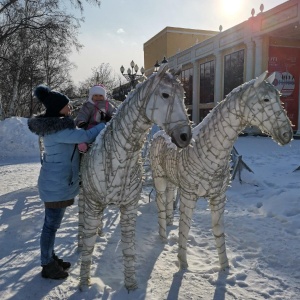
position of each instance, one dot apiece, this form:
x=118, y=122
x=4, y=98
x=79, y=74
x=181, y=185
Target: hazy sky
x=116, y=32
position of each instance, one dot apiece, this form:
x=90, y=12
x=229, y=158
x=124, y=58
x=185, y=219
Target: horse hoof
x=131, y=287
x=85, y=286
x=164, y=239
x=225, y=266
x=183, y=265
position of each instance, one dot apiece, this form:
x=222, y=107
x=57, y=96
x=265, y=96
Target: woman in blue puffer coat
x=58, y=181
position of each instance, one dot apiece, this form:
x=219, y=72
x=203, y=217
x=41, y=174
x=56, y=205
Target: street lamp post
x=157, y=64
x=131, y=74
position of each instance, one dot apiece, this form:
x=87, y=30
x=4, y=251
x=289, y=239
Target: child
x=97, y=109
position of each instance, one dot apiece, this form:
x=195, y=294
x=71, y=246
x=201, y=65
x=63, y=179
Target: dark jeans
x=53, y=218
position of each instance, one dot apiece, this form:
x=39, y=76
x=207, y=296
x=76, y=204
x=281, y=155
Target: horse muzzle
x=285, y=137
x=181, y=136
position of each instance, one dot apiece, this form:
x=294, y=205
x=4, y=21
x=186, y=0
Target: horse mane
x=143, y=84
x=121, y=109
x=239, y=89
x=146, y=82
x=246, y=85
x=236, y=93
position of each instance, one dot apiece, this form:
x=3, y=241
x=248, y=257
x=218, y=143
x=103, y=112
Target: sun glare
x=231, y=7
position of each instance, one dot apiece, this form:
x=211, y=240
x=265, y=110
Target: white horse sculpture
x=203, y=169
x=112, y=169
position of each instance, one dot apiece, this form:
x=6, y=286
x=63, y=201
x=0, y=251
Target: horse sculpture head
x=165, y=106
x=262, y=108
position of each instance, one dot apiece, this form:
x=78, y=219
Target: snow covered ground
x=262, y=233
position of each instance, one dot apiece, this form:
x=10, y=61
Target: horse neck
x=130, y=125
x=220, y=129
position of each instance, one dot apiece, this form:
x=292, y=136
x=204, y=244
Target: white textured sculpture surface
x=112, y=169
x=203, y=169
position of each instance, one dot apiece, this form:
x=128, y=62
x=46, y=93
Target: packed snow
x=262, y=225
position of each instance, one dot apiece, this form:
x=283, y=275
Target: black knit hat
x=53, y=101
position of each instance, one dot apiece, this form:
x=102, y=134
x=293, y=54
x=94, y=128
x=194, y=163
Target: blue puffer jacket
x=59, y=174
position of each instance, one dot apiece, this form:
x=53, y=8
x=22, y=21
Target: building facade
x=266, y=41
x=169, y=41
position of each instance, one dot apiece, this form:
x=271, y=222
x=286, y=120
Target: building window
x=207, y=82
x=207, y=85
x=203, y=113
x=233, y=71
x=187, y=82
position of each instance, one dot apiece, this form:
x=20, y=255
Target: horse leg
x=170, y=198
x=127, y=222
x=81, y=200
x=217, y=206
x=100, y=229
x=92, y=220
x=160, y=184
x=80, y=218
x=186, y=208
x=176, y=200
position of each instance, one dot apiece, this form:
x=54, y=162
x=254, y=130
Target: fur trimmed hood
x=42, y=126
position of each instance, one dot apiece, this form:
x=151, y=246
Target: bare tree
x=1, y=110
x=102, y=74
x=11, y=22
x=35, y=39
x=27, y=57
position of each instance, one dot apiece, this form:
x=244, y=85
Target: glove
x=82, y=125
x=82, y=147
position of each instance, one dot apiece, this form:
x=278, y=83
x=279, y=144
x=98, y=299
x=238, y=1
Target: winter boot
x=64, y=264
x=54, y=271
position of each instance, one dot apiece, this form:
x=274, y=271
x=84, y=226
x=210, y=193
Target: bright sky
x=116, y=32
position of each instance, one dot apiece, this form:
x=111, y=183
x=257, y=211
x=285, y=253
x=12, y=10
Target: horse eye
x=266, y=100
x=165, y=95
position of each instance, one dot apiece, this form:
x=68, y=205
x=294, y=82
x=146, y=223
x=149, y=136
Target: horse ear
x=260, y=79
x=162, y=69
x=142, y=78
x=177, y=72
x=271, y=78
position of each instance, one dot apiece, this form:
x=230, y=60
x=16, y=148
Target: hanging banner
x=283, y=61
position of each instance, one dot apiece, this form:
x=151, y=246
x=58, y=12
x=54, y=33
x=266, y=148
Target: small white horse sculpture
x=203, y=169
x=112, y=169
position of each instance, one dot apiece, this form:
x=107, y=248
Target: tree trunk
x=2, y=117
